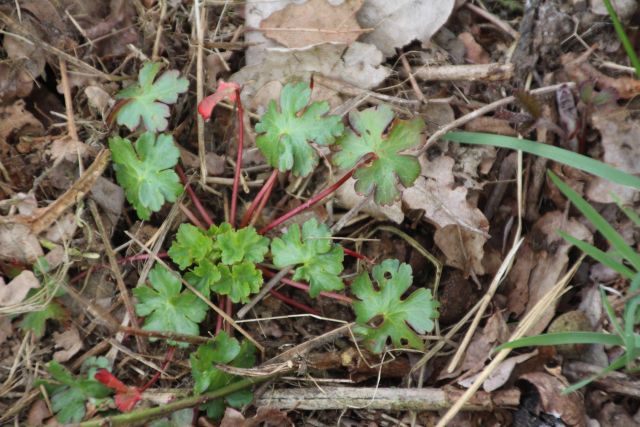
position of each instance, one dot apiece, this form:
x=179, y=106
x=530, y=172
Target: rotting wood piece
x=390, y=399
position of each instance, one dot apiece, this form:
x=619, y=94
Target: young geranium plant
x=145, y=171
x=382, y=314
x=224, y=260
x=368, y=135
x=147, y=100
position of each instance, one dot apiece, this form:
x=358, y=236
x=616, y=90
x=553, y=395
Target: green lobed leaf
x=556, y=154
x=243, y=244
x=146, y=173
x=238, y=281
x=392, y=316
x=389, y=168
x=190, y=246
x=285, y=134
x=223, y=350
x=166, y=308
x=69, y=401
x=203, y=276
x=147, y=99
x=319, y=261
x=36, y=321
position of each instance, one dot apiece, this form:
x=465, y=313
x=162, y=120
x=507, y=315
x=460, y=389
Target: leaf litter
x=338, y=80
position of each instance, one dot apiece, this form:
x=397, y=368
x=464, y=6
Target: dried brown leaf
x=69, y=341
x=313, y=23
x=19, y=244
x=569, y=407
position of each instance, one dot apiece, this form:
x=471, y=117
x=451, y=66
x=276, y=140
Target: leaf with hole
x=382, y=314
x=369, y=135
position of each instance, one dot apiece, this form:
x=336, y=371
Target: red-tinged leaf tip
x=126, y=401
x=225, y=90
x=109, y=380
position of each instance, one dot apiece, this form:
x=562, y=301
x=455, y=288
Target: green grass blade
x=630, y=213
x=601, y=224
x=556, y=154
x=611, y=313
x=599, y=255
x=560, y=338
x=626, y=43
x=616, y=364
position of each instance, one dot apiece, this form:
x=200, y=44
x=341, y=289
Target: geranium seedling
x=145, y=171
x=147, y=100
x=382, y=314
x=285, y=133
x=369, y=136
x=319, y=261
x=167, y=308
x=223, y=350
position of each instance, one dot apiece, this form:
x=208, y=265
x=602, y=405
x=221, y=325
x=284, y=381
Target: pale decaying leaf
x=313, y=23
x=501, y=374
x=541, y=262
x=347, y=198
x=18, y=288
x=63, y=229
x=462, y=229
x=265, y=416
x=397, y=23
x=358, y=64
x=70, y=343
x=620, y=131
x=67, y=148
x=17, y=120
x=6, y=329
x=18, y=244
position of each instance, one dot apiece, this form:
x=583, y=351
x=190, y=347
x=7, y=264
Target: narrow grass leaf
x=628, y=46
x=616, y=364
x=556, y=154
x=611, y=313
x=560, y=338
x=601, y=224
x=598, y=255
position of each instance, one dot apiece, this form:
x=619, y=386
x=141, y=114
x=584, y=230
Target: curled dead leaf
x=18, y=288
x=69, y=341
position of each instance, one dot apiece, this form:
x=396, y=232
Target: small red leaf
x=126, y=397
x=225, y=90
x=108, y=379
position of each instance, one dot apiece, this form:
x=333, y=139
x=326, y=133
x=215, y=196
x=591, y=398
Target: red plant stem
x=266, y=188
x=192, y=195
x=263, y=202
x=294, y=303
x=194, y=220
x=357, y=255
x=305, y=287
x=167, y=359
x=229, y=307
x=318, y=197
x=236, y=177
x=221, y=304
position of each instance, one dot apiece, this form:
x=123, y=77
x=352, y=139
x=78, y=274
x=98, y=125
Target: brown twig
x=115, y=269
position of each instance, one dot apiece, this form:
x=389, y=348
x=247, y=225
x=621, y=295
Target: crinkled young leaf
x=394, y=317
x=190, y=246
x=389, y=167
x=69, y=400
x=244, y=244
x=166, y=308
x=147, y=100
x=223, y=350
x=238, y=281
x=319, y=260
x=286, y=133
x=203, y=276
x=146, y=173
